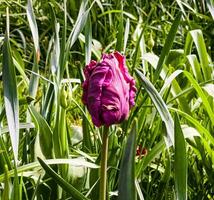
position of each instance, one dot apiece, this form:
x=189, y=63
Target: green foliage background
x=169, y=49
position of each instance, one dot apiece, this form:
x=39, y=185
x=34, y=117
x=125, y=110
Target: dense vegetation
x=49, y=147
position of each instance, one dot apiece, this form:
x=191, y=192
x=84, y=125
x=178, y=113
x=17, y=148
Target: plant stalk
x=103, y=169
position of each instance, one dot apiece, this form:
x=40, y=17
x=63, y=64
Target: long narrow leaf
x=34, y=28
x=180, y=169
x=88, y=40
x=34, y=79
x=120, y=31
x=167, y=46
x=80, y=23
x=198, y=39
x=127, y=170
x=210, y=5
x=193, y=61
x=160, y=105
x=45, y=133
x=6, y=192
x=65, y=185
x=201, y=94
x=156, y=150
x=10, y=93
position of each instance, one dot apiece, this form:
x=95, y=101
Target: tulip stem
x=103, y=169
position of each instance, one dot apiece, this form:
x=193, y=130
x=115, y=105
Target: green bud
x=151, y=42
x=63, y=98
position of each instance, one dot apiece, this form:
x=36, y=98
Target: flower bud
x=63, y=97
x=109, y=90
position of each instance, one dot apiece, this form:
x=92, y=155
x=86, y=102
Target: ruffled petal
x=122, y=64
x=108, y=90
x=129, y=79
x=110, y=114
x=85, y=92
x=96, y=82
x=89, y=69
x=132, y=93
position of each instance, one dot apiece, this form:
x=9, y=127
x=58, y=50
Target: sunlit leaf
x=65, y=185
x=10, y=93
x=126, y=186
x=180, y=165
x=160, y=105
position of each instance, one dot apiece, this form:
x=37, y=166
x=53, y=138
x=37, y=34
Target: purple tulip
x=109, y=90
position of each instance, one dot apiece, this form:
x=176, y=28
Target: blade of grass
x=65, y=185
x=201, y=94
x=80, y=23
x=6, y=191
x=167, y=46
x=140, y=39
x=164, y=182
x=161, y=107
x=198, y=39
x=36, y=165
x=180, y=164
x=34, y=30
x=55, y=56
x=126, y=34
x=118, y=11
x=139, y=192
x=10, y=93
x=126, y=185
x=193, y=61
x=45, y=133
x=77, y=29
x=88, y=40
x=156, y=150
x=120, y=31
x=203, y=131
x=64, y=35
x=210, y=5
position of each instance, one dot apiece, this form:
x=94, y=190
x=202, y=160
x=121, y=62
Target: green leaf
x=126, y=187
x=160, y=105
x=35, y=165
x=79, y=24
x=33, y=26
x=129, y=15
x=156, y=150
x=201, y=94
x=167, y=46
x=193, y=61
x=210, y=5
x=10, y=93
x=126, y=34
x=6, y=191
x=16, y=186
x=209, y=88
x=34, y=79
x=205, y=134
x=61, y=182
x=196, y=36
x=120, y=31
x=45, y=133
x=88, y=40
x=180, y=165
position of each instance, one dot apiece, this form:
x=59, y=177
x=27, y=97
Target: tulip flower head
x=108, y=90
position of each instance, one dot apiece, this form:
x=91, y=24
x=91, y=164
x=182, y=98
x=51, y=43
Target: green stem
x=103, y=170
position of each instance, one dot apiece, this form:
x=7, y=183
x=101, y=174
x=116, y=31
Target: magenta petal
x=109, y=117
x=89, y=68
x=85, y=92
x=108, y=90
x=124, y=70
x=95, y=92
